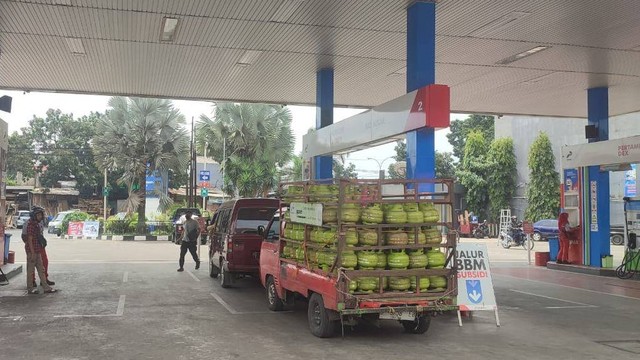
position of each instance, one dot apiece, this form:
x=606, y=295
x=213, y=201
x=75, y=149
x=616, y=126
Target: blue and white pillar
x=323, y=165
x=421, y=71
x=599, y=228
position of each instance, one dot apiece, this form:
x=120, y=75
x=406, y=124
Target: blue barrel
x=554, y=248
x=7, y=238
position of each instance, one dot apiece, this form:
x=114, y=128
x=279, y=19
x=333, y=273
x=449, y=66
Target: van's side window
x=223, y=221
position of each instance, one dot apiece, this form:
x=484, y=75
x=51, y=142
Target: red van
x=238, y=228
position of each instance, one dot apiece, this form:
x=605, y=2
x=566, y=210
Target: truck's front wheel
x=418, y=326
x=275, y=303
x=318, y=317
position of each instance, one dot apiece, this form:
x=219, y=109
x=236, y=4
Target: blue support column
x=421, y=71
x=598, y=115
x=324, y=117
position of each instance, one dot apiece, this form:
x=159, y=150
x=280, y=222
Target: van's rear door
x=246, y=240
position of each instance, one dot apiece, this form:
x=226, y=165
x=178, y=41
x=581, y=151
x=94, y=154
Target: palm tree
x=258, y=139
x=138, y=136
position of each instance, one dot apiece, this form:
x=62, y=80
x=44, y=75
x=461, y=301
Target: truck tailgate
x=246, y=252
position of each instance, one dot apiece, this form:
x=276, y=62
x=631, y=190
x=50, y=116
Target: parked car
x=238, y=229
x=55, y=225
x=178, y=219
x=544, y=229
x=21, y=218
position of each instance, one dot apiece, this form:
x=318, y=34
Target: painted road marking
x=125, y=277
x=193, y=276
x=233, y=311
x=566, y=286
x=119, y=311
x=12, y=318
x=576, y=304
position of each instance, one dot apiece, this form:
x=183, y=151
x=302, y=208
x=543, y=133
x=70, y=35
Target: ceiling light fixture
x=285, y=10
x=522, y=55
x=169, y=26
x=249, y=57
x=75, y=46
x=499, y=24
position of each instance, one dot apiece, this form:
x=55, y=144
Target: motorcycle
x=481, y=231
x=515, y=237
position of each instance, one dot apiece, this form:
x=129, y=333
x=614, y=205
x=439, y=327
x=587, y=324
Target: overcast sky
x=25, y=106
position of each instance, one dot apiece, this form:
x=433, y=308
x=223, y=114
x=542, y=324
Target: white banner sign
x=306, y=213
x=594, y=206
x=475, y=287
x=90, y=228
x=617, y=151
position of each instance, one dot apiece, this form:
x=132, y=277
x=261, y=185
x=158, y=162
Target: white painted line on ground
x=125, y=277
x=565, y=286
x=580, y=305
x=233, y=311
x=224, y=303
x=120, y=310
x=193, y=276
x=13, y=318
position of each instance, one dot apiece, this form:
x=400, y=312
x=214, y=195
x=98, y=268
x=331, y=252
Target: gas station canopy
x=501, y=56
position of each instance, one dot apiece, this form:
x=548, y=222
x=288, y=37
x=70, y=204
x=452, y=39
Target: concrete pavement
x=122, y=300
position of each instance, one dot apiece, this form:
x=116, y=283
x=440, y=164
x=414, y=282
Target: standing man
x=190, y=235
x=43, y=252
x=33, y=247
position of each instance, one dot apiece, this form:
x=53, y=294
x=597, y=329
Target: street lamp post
x=380, y=163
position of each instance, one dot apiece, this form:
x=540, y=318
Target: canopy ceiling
x=269, y=51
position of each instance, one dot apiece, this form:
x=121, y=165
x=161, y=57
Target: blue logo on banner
x=474, y=291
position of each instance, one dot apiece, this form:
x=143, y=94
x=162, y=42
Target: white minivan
x=55, y=225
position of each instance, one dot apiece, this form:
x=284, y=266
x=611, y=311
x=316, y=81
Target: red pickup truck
x=332, y=299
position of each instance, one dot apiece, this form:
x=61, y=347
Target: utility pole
x=105, y=193
x=191, y=169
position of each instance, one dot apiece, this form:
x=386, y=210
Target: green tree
x=400, y=157
x=460, y=129
x=293, y=171
x=445, y=165
x=21, y=154
x=473, y=173
x=502, y=176
x=137, y=136
x=340, y=171
x=401, y=151
x=58, y=146
x=259, y=140
x=543, y=192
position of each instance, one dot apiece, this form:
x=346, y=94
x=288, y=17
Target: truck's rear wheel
x=418, y=326
x=274, y=301
x=213, y=270
x=318, y=317
x=225, y=277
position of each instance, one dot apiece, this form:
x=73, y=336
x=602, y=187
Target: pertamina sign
x=475, y=287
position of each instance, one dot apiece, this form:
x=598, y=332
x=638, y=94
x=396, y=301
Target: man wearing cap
x=33, y=247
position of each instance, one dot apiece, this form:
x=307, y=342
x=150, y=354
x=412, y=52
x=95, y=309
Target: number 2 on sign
x=420, y=108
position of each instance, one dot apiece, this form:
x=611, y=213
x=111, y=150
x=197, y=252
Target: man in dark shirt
x=190, y=235
x=33, y=247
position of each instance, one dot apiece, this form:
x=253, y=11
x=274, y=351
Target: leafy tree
x=21, y=155
x=293, y=171
x=58, y=147
x=139, y=135
x=543, y=192
x=460, y=129
x=340, y=171
x=445, y=165
x=502, y=177
x=474, y=172
x=259, y=139
x=401, y=151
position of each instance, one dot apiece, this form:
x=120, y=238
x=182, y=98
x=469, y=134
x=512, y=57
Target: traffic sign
x=205, y=175
x=105, y=192
x=204, y=192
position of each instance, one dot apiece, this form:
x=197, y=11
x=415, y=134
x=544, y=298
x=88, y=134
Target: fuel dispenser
x=631, y=263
